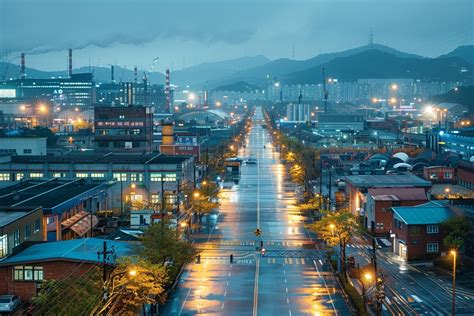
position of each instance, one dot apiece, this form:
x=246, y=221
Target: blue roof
x=423, y=214
x=69, y=250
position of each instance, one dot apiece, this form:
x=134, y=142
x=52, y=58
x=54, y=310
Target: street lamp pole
x=453, y=308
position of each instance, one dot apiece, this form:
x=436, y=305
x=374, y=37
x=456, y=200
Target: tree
x=313, y=205
x=456, y=229
x=69, y=296
x=337, y=229
x=161, y=245
x=134, y=282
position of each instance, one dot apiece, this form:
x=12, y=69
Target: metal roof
x=423, y=214
x=388, y=180
x=398, y=194
x=69, y=250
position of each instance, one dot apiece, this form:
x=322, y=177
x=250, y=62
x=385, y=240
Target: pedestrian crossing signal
x=258, y=232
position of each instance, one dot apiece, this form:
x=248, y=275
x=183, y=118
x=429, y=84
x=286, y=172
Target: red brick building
x=416, y=230
x=23, y=273
x=378, y=217
x=441, y=174
x=465, y=174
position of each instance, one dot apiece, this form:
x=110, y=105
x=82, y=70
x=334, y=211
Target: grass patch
x=355, y=297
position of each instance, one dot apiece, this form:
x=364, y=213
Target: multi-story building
x=141, y=178
x=24, y=146
x=417, y=231
x=76, y=91
x=334, y=124
x=123, y=128
x=298, y=112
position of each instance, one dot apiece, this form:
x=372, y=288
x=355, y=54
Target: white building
x=298, y=112
x=23, y=146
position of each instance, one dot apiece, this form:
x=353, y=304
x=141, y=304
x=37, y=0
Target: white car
x=9, y=303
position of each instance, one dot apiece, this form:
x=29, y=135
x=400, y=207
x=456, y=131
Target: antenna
x=326, y=93
x=371, y=37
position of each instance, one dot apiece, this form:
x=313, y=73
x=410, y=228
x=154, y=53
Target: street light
x=132, y=273
x=453, y=308
x=196, y=194
x=368, y=278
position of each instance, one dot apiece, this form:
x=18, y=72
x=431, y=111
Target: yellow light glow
x=132, y=272
x=368, y=276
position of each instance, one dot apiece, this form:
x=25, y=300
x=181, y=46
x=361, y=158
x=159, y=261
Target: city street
x=412, y=290
x=292, y=278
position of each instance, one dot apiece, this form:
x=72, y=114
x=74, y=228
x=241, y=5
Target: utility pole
x=330, y=187
x=162, y=199
x=320, y=183
x=121, y=196
x=105, y=257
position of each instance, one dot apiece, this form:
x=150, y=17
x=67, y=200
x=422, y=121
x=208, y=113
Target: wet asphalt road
x=291, y=279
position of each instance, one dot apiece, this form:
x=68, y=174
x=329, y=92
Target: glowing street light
x=132, y=273
x=394, y=87
x=196, y=194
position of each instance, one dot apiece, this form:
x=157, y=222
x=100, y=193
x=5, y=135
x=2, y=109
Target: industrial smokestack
x=167, y=92
x=135, y=72
x=70, y=63
x=22, y=66
x=112, y=73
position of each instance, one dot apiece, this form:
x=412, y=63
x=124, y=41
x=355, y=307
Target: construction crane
x=326, y=93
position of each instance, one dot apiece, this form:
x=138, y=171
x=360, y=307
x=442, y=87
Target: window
x=27, y=151
x=37, y=225
x=97, y=175
x=448, y=175
x=155, y=199
x=4, y=176
x=3, y=246
x=171, y=199
x=121, y=117
x=120, y=176
x=432, y=247
x=59, y=175
x=170, y=177
x=154, y=177
x=81, y=175
x=133, y=177
x=432, y=229
x=414, y=230
x=36, y=175
x=433, y=175
x=28, y=273
x=16, y=238
x=27, y=231
x=19, y=176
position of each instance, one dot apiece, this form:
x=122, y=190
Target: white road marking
x=255, y=290
x=326, y=286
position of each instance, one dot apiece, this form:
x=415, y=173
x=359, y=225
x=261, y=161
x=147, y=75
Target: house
x=19, y=225
x=358, y=185
x=439, y=174
x=22, y=273
x=416, y=230
x=378, y=217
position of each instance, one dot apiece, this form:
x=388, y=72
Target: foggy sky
x=185, y=32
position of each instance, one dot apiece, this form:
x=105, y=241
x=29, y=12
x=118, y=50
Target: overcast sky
x=187, y=32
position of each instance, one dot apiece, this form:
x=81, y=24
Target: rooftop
x=423, y=214
x=398, y=194
x=92, y=157
x=10, y=215
x=389, y=180
x=69, y=250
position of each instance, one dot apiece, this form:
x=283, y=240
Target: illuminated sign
x=7, y=93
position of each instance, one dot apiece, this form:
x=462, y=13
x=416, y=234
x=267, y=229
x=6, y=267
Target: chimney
x=22, y=66
x=112, y=73
x=135, y=72
x=167, y=92
x=70, y=63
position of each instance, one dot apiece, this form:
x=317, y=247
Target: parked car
x=251, y=161
x=9, y=303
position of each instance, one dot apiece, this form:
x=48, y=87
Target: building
x=335, y=124
x=123, y=129
x=74, y=91
x=19, y=225
x=23, y=146
x=68, y=206
x=23, y=272
x=465, y=174
x=141, y=178
x=440, y=174
x=298, y=113
x=417, y=231
x=182, y=144
x=378, y=218
x=358, y=185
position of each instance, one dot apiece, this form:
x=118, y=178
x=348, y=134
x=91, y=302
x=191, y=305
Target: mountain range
x=369, y=61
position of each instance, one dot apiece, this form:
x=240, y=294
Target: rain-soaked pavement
x=292, y=277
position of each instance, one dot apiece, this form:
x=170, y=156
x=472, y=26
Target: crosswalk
x=250, y=261
x=256, y=243
x=360, y=246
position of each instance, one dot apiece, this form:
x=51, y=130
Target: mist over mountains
x=369, y=61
